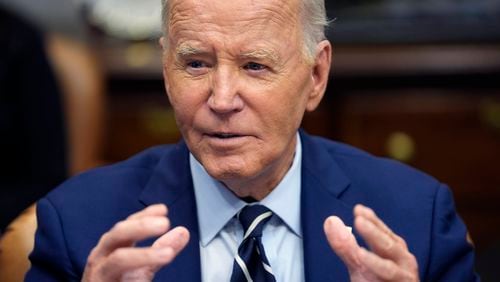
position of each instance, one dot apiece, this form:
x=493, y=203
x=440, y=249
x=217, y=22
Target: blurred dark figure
x=52, y=117
x=32, y=137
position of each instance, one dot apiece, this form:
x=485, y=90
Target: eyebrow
x=262, y=54
x=185, y=49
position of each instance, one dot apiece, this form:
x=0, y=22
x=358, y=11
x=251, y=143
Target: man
x=240, y=74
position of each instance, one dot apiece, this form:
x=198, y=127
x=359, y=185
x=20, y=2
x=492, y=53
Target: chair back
x=15, y=246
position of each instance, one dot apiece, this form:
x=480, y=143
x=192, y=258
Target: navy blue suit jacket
x=335, y=177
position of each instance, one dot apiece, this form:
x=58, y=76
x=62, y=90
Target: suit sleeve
x=49, y=259
x=452, y=256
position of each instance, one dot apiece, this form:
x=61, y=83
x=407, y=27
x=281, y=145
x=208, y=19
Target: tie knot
x=253, y=218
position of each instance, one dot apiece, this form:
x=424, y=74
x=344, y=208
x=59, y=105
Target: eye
x=196, y=64
x=196, y=67
x=254, y=66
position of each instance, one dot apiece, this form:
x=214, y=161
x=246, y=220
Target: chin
x=223, y=169
x=230, y=168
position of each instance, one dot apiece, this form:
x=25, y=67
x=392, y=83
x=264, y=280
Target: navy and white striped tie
x=251, y=264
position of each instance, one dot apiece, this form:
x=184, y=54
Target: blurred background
x=413, y=80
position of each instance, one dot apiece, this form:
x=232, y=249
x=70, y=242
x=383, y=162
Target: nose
x=224, y=97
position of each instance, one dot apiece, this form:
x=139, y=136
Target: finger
x=152, y=210
x=342, y=241
x=126, y=233
x=379, y=241
x=127, y=259
x=360, y=210
x=175, y=240
x=384, y=269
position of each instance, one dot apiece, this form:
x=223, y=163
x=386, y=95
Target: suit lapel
x=171, y=184
x=323, y=183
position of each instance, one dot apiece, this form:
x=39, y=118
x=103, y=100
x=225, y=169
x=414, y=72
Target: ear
x=162, y=43
x=320, y=74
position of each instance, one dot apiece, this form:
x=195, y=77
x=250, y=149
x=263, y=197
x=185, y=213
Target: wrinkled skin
x=239, y=97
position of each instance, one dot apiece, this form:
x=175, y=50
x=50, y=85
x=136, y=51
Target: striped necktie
x=250, y=264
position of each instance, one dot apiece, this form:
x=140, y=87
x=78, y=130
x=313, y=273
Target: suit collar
x=323, y=183
x=319, y=164
x=171, y=184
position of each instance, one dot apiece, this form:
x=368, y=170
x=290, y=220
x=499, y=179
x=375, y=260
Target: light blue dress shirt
x=221, y=233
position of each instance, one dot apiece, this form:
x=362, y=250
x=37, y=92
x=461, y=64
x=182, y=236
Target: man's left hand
x=388, y=258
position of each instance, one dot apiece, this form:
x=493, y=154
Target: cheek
x=186, y=105
x=288, y=102
x=186, y=95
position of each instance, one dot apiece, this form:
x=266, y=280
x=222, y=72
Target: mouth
x=227, y=141
x=224, y=135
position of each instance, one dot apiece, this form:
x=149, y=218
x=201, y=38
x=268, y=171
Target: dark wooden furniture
x=434, y=107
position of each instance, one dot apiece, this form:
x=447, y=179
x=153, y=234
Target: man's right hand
x=115, y=258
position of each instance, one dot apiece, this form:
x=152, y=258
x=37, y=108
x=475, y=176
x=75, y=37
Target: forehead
x=236, y=19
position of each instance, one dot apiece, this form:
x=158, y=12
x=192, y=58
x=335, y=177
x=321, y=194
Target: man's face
x=239, y=84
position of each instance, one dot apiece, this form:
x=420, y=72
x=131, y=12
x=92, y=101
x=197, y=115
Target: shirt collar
x=216, y=205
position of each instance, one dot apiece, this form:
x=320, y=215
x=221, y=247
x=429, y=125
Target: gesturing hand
x=388, y=259
x=116, y=259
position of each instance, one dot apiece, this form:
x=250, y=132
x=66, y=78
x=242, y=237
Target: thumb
x=342, y=242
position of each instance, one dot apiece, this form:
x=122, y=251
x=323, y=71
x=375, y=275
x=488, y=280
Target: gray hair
x=314, y=21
